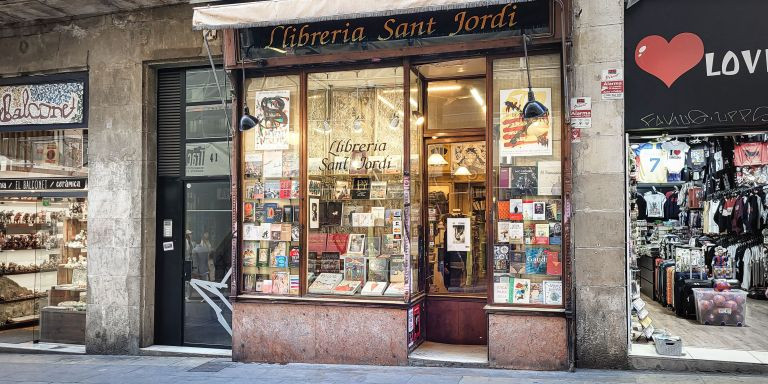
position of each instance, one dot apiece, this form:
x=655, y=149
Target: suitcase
x=670, y=285
x=661, y=287
x=684, y=304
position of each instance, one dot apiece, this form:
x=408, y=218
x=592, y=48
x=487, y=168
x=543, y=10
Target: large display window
x=270, y=188
x=527, y=185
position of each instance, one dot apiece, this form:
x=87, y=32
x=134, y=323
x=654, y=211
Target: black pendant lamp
x=532, y=109
x=247, y=121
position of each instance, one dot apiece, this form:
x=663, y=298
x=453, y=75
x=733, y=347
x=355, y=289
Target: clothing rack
x=733, y=192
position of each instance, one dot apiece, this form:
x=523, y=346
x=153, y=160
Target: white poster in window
x=459, y=236
x=273, y=109
x=207, y=159
x=524, y=137
x=549, y=178
x=251, y=232
x=314, y=213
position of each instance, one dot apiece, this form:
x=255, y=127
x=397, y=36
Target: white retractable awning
x=278, y=12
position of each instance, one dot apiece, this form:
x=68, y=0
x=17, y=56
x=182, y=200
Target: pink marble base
x=306, y=333
x=527, y=342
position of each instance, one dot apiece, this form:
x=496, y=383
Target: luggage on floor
x=685, y=304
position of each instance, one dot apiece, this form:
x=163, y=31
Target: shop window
x=527, y=185
x=356, y=186
x=270, y=188
x=61, y=153
x=456, y=104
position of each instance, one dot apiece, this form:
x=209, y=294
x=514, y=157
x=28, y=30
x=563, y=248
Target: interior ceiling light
x=436, y=158
x=443, y=88
x=395, y=121
x=532, y=109
x=419, y=117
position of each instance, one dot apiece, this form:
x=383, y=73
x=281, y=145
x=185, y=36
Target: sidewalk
x=15, y=368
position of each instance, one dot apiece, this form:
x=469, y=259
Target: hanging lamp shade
x=462, y=171
x=436, y=159
x=247, y=121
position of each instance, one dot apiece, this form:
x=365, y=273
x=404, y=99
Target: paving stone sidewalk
x=19, y=368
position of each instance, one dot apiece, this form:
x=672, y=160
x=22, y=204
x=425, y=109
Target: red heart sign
x=669, y=60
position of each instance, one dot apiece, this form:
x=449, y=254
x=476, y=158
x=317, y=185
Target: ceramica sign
x=58, y=100
x=695, y=64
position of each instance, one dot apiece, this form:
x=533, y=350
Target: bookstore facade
x=401, y=182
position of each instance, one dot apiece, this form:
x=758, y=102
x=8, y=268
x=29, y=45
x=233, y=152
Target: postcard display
x=270, y=252
x=355, y=185
x=527, y=253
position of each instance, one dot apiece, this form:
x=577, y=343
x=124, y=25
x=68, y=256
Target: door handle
x=187, y=270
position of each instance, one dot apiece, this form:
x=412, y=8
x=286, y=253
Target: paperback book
x=520, y=291
x=378, y=190
x=535, y=261
x=354, y=268
x=347, y=287
x=553, y=292
x=378, y=269
x=374, y=288
x=326, y=282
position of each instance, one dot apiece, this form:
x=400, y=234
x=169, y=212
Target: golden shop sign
x=510, y=18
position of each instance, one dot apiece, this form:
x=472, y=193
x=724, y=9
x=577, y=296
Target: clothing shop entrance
x=697, y=251
x=454, y=175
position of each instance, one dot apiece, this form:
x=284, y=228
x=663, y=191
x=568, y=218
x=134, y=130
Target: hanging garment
x=651, y=163
x=655, y=204
x=746, y=154
x=676, y=152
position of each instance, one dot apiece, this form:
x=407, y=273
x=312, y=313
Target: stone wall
x=119, y=51
x=599, y=191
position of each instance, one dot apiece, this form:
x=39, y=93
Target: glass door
x=207, y=254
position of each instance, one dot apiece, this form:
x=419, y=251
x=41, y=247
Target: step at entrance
x=430, y=354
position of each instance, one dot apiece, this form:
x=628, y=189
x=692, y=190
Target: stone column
x=599, y=191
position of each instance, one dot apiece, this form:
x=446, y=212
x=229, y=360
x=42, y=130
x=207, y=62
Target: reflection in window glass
x=44, y=154
x=355, y=145
x=456, y=104
x=207, y=121
x=201, y=85
x=270, y=212
x=527, y=252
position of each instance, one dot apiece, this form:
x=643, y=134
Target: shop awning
x=278, y=12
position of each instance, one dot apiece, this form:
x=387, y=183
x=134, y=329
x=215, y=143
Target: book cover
x=250, y=253
x=555, y=233
x=516, y=233
x=504, y=180
x=356, y=244
x=285, y=231
x=517, y=261
x=330, y=213
x=520, y=291
x=361, y=188
x=553, y=292
x=258, y=213
x=326, y=282
x=378, y=190
x=266, y=286
x=313, y=263
x=337, y=242
x=527, y=210
x=539, y=210
x=391, y=245
x=347, y=287
x=373, y=246
x=554, y=264
x=254, y=190
x=342, y=190
x=285, y=189
x=290, y=164
x=273, y=164
x=549, y=180
x=390, y=215
x=295, y=232
x=378, y=269
x=281, y=283
x=294, y=189
x=362, y=219
x=374, y=288
x=294, y=256
x=541, y=234
x=263, y=257
x=315, y=188
x=253, y=165
x=270, y=212
x=394, y=163
x=503, y=208
x=395, y=289
x=535, y=261
x=272, y=189
x=346, y=213
x=516, y=209
x=354, y=268
x=537, y=293
x=316, y=242
x=529, y=232
x=357, y=163
x=264, y=231
x=395, y=189
x=501, y=289
x=396, y=274
x=503, y=234
x=378, y=214
x=523, y=180
x=330, y=262
x=501, y=258
x=287, y=214
x=274, y=231
x=249, y=212
x=251, y=232
x=553, y=211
